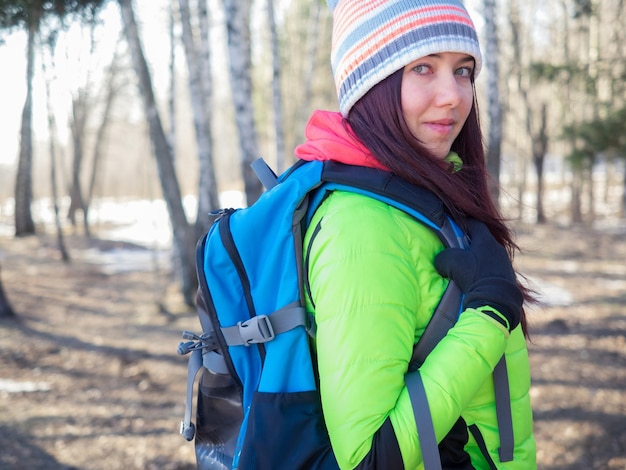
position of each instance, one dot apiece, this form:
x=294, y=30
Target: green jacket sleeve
x=374, y=288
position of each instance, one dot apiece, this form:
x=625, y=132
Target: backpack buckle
x=257, y=329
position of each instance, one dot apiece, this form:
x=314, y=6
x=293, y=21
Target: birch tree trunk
x=52, y=131
x=576, y=205
x=539, y=143
x=24, y=224
x=577, y=50
x=540, y=148
x=82, y=105
x=595, y=25
x=6, y=311
x=200, y=90
x=101, y=134
x=208, y=194
x=77, y=126
x=237, y=14
x=623, y=205
x=171, y=101
x=494, y=144
x=569, y=118
x=277, y=96
x=312, y=44
x=183, y=236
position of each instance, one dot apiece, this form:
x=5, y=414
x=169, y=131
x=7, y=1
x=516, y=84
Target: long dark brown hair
x=377, y=120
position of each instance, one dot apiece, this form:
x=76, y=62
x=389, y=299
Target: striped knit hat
x=372, y=39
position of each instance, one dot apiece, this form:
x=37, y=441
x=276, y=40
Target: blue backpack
x=258, y=404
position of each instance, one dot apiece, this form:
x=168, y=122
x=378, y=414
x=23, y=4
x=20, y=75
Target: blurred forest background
x=174, y=99
x=106, y=102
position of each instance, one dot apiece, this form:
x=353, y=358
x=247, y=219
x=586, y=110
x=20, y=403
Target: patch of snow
x=124, y=260
x=232, y=199
x=551, y=295
x=13, y=386
x=143, y=222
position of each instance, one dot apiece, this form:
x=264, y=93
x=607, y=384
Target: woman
x=404, y=71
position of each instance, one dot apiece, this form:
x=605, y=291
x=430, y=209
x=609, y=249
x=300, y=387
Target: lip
x=441, y=126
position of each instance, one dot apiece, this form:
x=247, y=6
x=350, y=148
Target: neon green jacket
x=374, y=288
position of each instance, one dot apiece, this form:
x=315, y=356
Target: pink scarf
x=329, y=137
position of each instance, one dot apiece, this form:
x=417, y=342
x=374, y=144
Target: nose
x=449, y=91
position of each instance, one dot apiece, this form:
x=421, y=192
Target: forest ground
x=90, y=378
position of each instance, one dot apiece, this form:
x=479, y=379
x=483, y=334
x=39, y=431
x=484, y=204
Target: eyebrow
x=467, y=58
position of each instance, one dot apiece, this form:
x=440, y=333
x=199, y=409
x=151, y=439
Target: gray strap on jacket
x=443, y=319
x=503, y=411
x=423, y=420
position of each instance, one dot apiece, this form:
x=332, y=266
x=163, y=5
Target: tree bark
x=82, y=105
x=576, y=206
x=494, y=145
x=24, y=224
x=239, y=52
x=6, y=311
x=200, y=89
x=539, y=140
x=52, y=131
x=623, y=205
x=540, y=148
x=183, y=236
x=171, y=101
x=312, y=45
x=208, y=193
x=77, y=126
x=277, y=96
x=103, y=127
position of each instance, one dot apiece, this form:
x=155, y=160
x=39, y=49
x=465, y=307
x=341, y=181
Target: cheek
x=413, y=102
x=404, y=101
x=468, y=101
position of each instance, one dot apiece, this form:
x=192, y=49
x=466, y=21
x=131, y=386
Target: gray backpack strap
x=443, y=319
x=503, y=411
x=265, y=174
x=187, y=428
x=214, y=361
x=423, y=420
x=424, y=423
x=448, y=309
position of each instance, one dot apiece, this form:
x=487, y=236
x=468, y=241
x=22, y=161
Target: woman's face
x=437, y=96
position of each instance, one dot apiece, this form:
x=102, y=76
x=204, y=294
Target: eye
x=465, y=72
x=421, y=69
